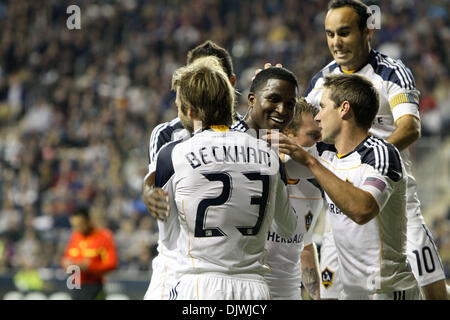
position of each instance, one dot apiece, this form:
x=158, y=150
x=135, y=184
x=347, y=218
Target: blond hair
x=301, y=107
x=205, y=87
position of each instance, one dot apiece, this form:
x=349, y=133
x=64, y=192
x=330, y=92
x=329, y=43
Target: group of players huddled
x=237, y=197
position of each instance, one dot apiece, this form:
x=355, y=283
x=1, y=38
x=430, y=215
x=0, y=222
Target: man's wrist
x=311, y=162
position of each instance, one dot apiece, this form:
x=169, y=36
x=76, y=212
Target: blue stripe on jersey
x=321, y=147
x=283, y=172
x=240, y=125
x=382, y=156
x=391, y=70
x=164, y=164
x=430, y=237
x=325, y=71
x=161, y=135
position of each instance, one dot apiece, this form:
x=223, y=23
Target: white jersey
x=283, y=255
x=395, y=85
x=331, y=285
x=372, y=257
x=398, y=97
x=163, y=266
x=226, y=187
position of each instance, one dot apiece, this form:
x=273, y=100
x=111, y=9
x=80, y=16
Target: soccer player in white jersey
x=225, y=187
x=397, y=121
x=364, y=180
x=293, y=261
x=331, y=285
x=155, y=199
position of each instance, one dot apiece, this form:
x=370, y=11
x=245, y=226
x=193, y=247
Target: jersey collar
x=357, y=148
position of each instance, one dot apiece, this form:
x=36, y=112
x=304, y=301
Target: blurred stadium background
x=77, y=108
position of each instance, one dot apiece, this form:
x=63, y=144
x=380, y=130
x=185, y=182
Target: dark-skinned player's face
x=273, y=105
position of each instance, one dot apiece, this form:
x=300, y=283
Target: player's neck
x=197, y=124
x=349, y=138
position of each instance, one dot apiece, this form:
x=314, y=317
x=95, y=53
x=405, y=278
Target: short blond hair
x=205, y=87
x=301, y=107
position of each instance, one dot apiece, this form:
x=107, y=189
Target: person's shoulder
x=239, y=124
x=103, y=233
x=382, y=156
x=166, y=151
x=327, y=70
x=164, y=163
x=164, y=133
x=392, y=70
x=167, y=127
x=325, y=147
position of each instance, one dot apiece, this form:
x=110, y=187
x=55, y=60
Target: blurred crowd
x=77, y=106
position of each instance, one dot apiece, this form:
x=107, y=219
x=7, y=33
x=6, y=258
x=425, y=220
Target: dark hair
x=359, y=92
x=81, y=211
x=205, y=87
x=272, y=73
x=360, y=8
x=210, y=48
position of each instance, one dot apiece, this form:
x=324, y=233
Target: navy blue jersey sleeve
x=164, y=165
x=312, y=83
x=392, y=70
x=321, y=147
x=384, y=157
x=161, y=135
x=283, y=172
x=325, y=71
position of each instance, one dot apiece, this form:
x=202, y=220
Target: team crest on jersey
x=308, y=220
x=327, y=278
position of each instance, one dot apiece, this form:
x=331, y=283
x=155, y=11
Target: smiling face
x=347, y=43
x=272, y=106
x=329, y=118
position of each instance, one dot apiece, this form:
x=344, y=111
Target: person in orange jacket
x=93, y=251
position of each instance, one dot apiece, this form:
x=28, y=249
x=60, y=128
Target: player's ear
x=233, y=80
x=251, y=99
x=345, y=110
x=369, y=34
x=191, y=112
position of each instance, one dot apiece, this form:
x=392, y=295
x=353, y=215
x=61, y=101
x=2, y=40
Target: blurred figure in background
x=93, y=250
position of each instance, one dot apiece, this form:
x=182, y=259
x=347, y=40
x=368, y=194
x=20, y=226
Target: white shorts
x=330, y=284
x=163, y=278
x=423, y=255
x=409, y=294
x=213, y=286
x=296, y=295
x=413, y=293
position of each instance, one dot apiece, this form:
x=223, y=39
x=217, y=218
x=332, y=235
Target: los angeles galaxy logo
x=327, y=278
